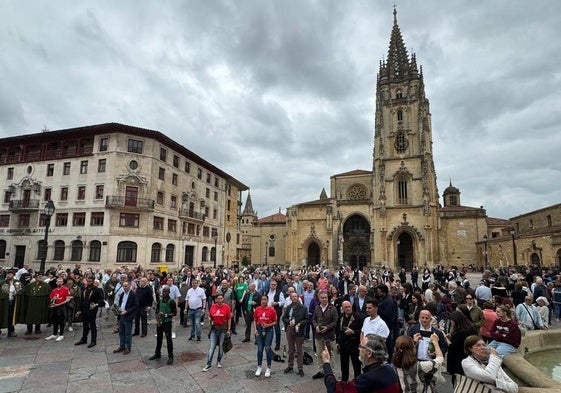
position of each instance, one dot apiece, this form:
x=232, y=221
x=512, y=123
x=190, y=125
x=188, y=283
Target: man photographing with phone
x=377, y=376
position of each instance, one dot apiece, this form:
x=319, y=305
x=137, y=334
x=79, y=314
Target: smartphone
x=425, y=333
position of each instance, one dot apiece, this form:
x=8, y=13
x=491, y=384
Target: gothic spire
x=398, y=59
x=323, y=194
x=248, y=209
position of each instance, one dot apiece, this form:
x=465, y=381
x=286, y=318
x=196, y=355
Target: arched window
x=398, y=94
x=170, y=251
x=156, y=252
x=2, y=249
x=95, y=251
x=213, y=254
x=40, y=249
x=402, y=191
x=271, y=251
x=126, y=252
x=400, y=115
x=59, y=250
x=77, y=248
x=205, y=254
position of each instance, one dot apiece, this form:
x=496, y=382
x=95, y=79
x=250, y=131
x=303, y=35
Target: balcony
x=24, y=205
x=121, y=202
x=196, y=216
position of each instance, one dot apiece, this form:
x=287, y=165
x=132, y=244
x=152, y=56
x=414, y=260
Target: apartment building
x=122, y=195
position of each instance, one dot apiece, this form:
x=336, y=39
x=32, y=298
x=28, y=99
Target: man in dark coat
x=145, y=301
x=347, y=333
x=10, y=298
x=36, y=310
x=90, y=300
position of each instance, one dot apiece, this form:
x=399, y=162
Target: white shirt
x=375, y=326
x=195, y=297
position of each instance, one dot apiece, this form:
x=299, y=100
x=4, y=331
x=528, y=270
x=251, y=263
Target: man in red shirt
x=265, y=318
x=58, y=298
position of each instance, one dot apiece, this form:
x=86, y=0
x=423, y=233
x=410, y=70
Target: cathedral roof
x=353, y=173
x=451, y=189
x=323, y=201
x=273, y=219
x=248, y=209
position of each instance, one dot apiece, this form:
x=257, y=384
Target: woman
x=425, y=280
x=335, y=299
x=505, y=333
x=220, y=317
x=460, y=329
x=265, y=318
x=415, y=307
x=490, y=316
x=543, y=309
x=484, y=365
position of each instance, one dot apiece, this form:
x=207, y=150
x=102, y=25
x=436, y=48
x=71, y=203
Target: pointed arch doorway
x=313, y=254
x=404, y=248
x=356, y=233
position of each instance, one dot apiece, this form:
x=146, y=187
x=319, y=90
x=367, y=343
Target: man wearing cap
x=377, y=375
x=36, y=310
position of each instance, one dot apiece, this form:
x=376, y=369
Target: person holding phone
x=424, y=329
x=324, y=321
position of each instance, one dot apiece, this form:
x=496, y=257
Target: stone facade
x=123, y=195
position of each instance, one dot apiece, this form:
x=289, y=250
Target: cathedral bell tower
x=405, y=195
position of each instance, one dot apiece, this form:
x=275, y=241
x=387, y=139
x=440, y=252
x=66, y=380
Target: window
x=207, y=193
x=172, y=225
x=187, y=166
x=83, y=167
x=103, y=142
x=101, y=165
x=47, y=194
x=159, y=223
x=402, y=192
x=133, y=164
x=215, y=196
x=205, y=254
x=78, y=219
x=174, y=179
x=400, y=115
x=156, y=252
x=23, y=221
x=199, y=173
x=163, y=154
x=41, y=249
x=99, y=191
x=10, y=173
x=129, y=220
x=215, y=181
x=162, y=174
x=4, y=220
x=208, y=177
x=7, y=196
x=131, y=196
x=50, y=169
x=126, y=252
x=81, y=193
x=96, y=219
x=61, y=219
x=95, y=251
x=170, y=250
x=66, y=168
x=214, y=214
x=160, y=198
x=206, y=232
x=190, y=229
x=213, y=253
x=2, y=249
x=229, y=204
x=549, y=223
x=135, y=146
x=76, y=251
x=173, y=202
x=398, y=94
x=271, y=251
x=64, y=193
x=59, y=250
x=206, y=211
x=175, y=161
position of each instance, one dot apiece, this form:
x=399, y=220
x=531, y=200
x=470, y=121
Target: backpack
x=308, y=359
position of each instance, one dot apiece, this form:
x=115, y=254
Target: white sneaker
x=172, y=334
x=267, y=372
x=218, y=365
x=258, y=372
x=59, y=338
x=50, y=337
x=206, y=368
x=202, y=323
x=70, y=329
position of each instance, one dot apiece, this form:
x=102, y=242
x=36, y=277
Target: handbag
x=468, y=385
x=227, y=344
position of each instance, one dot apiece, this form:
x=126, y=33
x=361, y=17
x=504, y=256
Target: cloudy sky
x=280, y=94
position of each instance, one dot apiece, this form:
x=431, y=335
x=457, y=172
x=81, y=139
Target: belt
x=200, y=308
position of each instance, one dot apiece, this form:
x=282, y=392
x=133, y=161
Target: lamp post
x=49, y=211
x=486, y=240
x=512, y=233
x=215, y=237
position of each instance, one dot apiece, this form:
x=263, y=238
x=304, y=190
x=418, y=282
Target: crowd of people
x=397, y=329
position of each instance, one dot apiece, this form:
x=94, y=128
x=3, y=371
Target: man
x=36, y=310
x=21, y=271
x=128, y=304
x=528, y=315
x=347, y=334
x=58, y=299
x=229, y=299
x=276, y=300
x=377, y=375
x=307, y=298
x=73, y=305
x=195, y=304
x=483, y=293
x=166, y=309
x=145, y=300
x=174, y=294
x=324, y=321
x=475, y=312
x=359, y=303
x=91, y=300
x=249, y=302
x=425, y=330
x=374, y=324
x=183, y=288
x=387, y=309
x=10, y=294
x=295, y=319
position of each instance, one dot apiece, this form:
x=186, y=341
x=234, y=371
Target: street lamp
x=512, y=233
x=486, y=240
x=49, y=211
x=215, y=237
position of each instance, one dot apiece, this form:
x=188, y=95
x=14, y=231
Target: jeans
x=503, y=349
x=194, y=317
x=216, y=339
x=125, y=331
x=264, y=340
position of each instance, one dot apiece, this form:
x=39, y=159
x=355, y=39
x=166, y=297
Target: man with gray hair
x=377, y=376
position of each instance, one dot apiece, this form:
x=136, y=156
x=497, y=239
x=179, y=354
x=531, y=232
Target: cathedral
x=390, y=215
